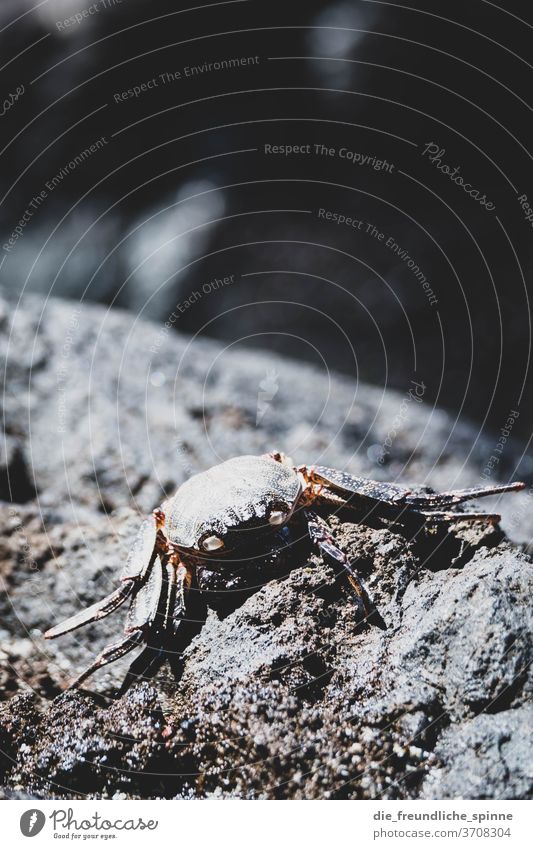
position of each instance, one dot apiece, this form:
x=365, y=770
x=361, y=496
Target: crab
x=240, y=512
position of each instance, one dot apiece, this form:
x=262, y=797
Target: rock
x=469, y=631
x=110, y=411
x=487, y=758
x=78, y=748
x=284, y=693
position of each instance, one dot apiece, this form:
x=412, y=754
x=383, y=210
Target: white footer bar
x=267, y=825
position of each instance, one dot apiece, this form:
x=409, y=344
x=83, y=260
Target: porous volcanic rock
x=285, y=693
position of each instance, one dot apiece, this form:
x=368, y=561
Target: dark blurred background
x=177, y=191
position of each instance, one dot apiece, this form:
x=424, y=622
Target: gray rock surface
x=284, y=694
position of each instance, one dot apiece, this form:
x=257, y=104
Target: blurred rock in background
x=181, y=192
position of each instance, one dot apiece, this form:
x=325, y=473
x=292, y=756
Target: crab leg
x=140, y=619
x=136, y=572
x=347, y=485
x=170, y=596
x=148, y=663
x=144, y=667
x=183, y=583
x=149, y=538
x=322, y=539
x=145, y=603
x=457, y=496
x=109, y=654
x=451, y=516
x=427, y=505
x=96, y=611
x=154, y=601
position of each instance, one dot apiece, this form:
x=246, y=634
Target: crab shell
x=238, y=494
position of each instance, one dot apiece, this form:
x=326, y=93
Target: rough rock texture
x=283, y=694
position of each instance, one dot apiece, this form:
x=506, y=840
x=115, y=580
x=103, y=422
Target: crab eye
x=277, y=517
x=212, y=543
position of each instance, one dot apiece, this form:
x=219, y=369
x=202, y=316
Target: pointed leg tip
x=69, y=686
x=78, y=682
